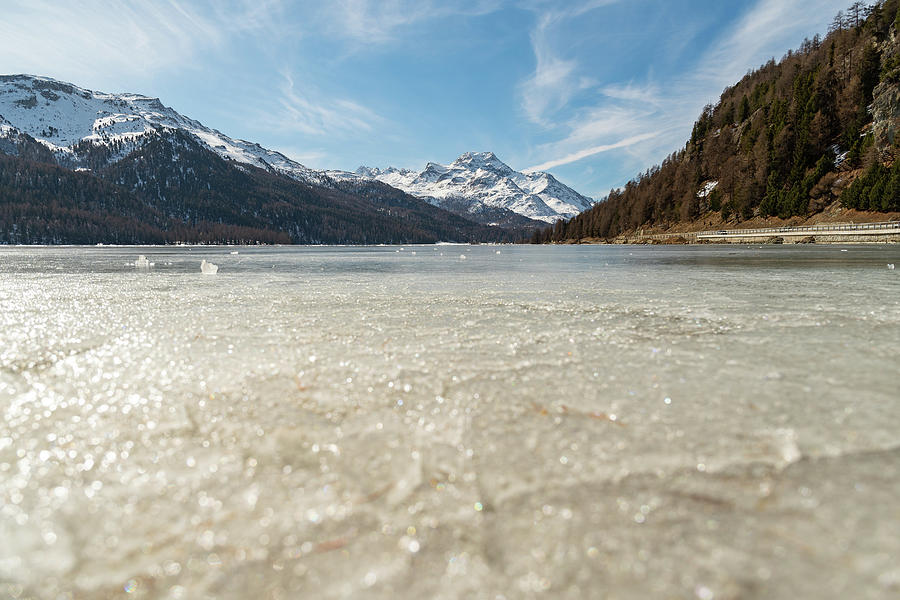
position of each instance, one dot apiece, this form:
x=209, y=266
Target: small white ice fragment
x=235, y=252
x=891, y=266
x=207, y=268
x=462, y=257
x=142, y=262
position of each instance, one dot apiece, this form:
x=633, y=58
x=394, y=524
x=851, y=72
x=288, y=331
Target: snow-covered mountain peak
x=73, y=122
x=479, y=181
x=487, y=161
x=469, y=158
x=368, y=171
x=61, y=116
x=373, y=172
x=432, y=173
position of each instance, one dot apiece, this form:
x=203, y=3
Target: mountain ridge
x=476, y=183
x=85, y=130
x=124, y=168
x=84, y=115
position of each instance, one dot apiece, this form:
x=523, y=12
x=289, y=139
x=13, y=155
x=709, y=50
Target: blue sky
x=594, y=91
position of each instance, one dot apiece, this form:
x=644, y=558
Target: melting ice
x=567, y=422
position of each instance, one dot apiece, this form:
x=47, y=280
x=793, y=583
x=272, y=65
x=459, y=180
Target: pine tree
x=837, y=24
x=853, y=14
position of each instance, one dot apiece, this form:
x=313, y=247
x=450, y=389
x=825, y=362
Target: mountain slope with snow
x=68, y=119
x=477, y=182
x=82, y=167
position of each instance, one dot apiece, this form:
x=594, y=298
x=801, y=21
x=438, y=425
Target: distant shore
x=834, y=225
x=774, y=240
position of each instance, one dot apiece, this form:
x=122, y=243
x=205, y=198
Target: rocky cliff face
x=886, y=112
x=885, y=106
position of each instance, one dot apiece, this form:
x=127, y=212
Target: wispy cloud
x=305, y=155
x=651, y=119
x=770, y=24
x=582, y=154
x=79, y=38
x=379, y=21
x=117, y=44
x=302, y=109
x=551, y=85
x=268, y=17
x=639, y=119
x=119, y=38
x=648, y=94
x=555, y=79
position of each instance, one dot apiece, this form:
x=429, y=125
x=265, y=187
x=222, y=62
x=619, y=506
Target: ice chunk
x=208, y=268
x=142, y=262
x=891, y=266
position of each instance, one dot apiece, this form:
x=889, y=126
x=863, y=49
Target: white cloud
x=555, y=79
x=650, y=120
x=302, y=109
x=304, y=156
x=769, y=29
x=108, y=44
x=552, y=83
x=640, y=119
x=647, y=94
x=80, y=38
x=582, y=154
x=98, y=41
x=378, y=21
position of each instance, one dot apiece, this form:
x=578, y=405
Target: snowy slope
x=481, y=180
x=61, y=116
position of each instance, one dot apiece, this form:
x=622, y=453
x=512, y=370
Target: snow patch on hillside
x=707, y=189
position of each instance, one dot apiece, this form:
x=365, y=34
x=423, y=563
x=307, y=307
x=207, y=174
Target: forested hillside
x=789, y=139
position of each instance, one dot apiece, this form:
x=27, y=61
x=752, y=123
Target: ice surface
x=208, y=268
x=559, y=422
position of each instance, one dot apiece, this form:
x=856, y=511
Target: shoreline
x=736, y=241
x=811, y=229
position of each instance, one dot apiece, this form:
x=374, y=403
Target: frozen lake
x=450, y=422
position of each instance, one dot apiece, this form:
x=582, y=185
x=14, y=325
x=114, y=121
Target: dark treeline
x=785, y=141
x=46, y=204
x=172, y=189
